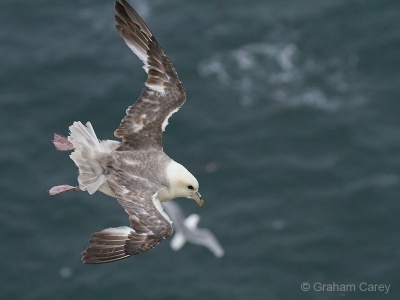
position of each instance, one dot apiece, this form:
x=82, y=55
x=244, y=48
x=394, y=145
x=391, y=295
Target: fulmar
x=134, y=170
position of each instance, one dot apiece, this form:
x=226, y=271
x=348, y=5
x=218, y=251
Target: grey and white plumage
x=135, y=171
x=185, y=230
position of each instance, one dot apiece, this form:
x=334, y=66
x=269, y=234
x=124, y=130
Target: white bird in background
x=186, y=231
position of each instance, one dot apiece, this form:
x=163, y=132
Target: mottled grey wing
x=149, y=224
x=163, y=94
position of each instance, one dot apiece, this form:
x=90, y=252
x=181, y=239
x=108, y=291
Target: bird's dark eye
x=190, y=187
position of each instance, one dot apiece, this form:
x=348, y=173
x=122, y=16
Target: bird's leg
x=61, y=143
x=59, y=189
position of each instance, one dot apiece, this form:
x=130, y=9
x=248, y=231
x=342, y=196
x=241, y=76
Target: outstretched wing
x=163, y=94
x=149, y=224
x=186, y=230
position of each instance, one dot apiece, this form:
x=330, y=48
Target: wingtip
x=118, y=6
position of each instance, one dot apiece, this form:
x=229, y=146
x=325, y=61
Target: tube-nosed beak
x=197, y=198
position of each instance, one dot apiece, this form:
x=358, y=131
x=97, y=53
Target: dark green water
x=296, y=103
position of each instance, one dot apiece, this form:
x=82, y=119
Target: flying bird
x=186, y=231
x=134, y=170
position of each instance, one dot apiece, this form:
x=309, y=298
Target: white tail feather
x=90, y=156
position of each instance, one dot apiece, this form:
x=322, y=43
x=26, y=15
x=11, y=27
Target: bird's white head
x=181, y=183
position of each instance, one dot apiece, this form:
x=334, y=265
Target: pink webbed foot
x=61, y=143
x=59, y=189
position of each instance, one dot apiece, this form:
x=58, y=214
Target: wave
x=285, y=74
